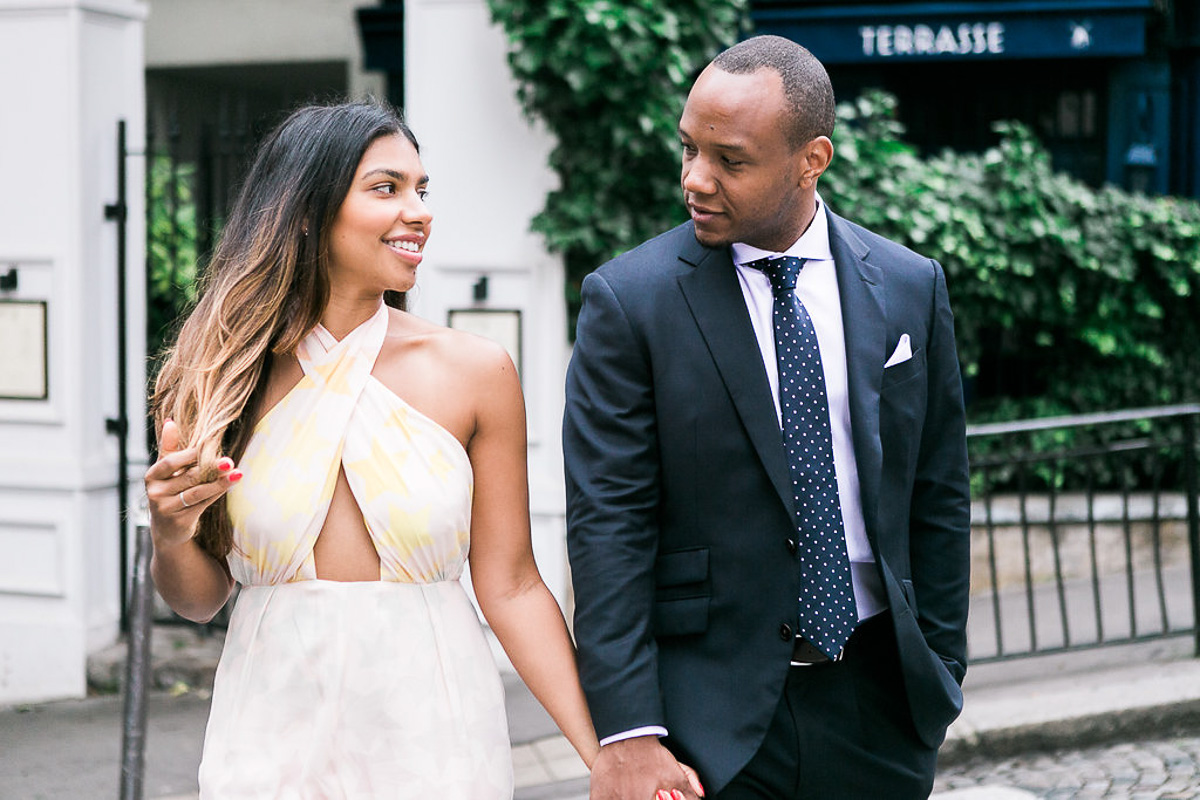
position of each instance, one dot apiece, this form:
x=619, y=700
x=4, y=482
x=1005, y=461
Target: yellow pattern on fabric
x=439, y=466
x=292, y=494
x=335, y=377
x=376, y=481
x=408, y=531
x=306, y=444
x=398, y=419
x=411, y=478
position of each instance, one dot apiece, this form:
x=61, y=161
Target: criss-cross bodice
x=411, y=477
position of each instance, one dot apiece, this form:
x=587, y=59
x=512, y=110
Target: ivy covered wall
x=1067, y=298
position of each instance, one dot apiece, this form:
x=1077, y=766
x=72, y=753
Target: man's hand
x=637, y=768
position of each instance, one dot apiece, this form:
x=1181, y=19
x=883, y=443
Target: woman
x=342, y=459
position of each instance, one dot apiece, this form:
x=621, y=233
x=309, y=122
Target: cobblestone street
x=1166, y=769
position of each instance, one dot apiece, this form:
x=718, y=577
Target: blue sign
x=845, y=34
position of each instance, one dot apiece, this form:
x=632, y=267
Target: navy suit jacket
x=679, y=500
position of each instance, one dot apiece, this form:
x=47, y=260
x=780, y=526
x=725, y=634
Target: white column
x=69, y=70
x=488, y=178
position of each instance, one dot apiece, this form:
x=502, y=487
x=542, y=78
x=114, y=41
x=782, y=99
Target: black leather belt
x=806, y=654
x=868, y=631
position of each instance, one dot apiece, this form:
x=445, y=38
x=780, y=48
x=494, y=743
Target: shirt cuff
x=646, y=730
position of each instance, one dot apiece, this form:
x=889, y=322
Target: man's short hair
x=805, y=82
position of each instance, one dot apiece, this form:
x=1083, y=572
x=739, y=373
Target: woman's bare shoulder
x=410, y=335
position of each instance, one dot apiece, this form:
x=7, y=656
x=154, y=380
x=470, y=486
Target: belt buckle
x=806, y=654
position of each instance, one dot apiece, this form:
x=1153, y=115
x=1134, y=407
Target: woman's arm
x=518, y=606
x=194, y=584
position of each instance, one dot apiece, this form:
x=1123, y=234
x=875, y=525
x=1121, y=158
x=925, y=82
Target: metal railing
x=1085, y=532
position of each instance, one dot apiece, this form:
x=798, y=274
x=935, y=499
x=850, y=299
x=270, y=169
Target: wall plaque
x=24, y=357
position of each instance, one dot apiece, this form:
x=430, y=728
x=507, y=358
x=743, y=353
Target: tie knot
x=782, y=271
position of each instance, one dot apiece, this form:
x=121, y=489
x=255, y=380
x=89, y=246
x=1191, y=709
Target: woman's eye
x=423, y=194
x=385, y=188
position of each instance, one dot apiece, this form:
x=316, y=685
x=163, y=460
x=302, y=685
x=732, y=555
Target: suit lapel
x=860, y=284
x=715, y=299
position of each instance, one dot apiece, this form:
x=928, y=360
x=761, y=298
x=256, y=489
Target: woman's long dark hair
x=266, y=285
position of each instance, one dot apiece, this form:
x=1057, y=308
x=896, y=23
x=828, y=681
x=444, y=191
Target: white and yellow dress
x=379, y=689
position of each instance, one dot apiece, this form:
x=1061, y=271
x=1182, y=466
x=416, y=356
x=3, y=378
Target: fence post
x=1193, y=513
x=118, y=426
x=137, y=667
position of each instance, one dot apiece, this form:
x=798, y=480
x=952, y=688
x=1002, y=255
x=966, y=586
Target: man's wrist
x=646, y=730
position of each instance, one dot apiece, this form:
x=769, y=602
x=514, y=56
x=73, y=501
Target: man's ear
x=815, y=157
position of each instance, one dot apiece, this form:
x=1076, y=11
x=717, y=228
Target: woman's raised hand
x=175, y=490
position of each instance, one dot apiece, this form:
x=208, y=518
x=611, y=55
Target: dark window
x=211, y=118
x=954, y=105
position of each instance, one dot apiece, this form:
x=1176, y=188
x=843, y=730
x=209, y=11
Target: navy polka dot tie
x=827, y=613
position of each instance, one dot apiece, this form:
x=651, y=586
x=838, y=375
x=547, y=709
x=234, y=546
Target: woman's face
x=381, y=227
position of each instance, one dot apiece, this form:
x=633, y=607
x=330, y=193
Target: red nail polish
x=234, y=477
x=225, y=464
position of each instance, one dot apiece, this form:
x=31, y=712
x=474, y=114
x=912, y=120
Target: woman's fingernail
x=662, y=794
x=677, y=795
x=234, y=477
x=225, y=464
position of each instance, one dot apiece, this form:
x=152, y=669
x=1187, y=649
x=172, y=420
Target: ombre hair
x=265, y=287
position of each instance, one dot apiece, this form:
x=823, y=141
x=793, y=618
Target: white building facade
x=69, y=71
x=78, y=67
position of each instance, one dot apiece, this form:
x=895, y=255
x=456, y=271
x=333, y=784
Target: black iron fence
x=1085, y=532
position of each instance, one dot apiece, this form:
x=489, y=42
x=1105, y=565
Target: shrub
x=1066, y=298
x=609, y=78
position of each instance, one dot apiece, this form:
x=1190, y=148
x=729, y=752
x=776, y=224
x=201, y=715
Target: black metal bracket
x=8, y=280
x=116, y=212
x=117, y=426
x=479, y=291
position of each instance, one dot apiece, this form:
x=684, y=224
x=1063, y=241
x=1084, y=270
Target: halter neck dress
x=374, y=689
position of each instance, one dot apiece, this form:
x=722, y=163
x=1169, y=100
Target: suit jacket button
x=791, y=546
x=785, y=632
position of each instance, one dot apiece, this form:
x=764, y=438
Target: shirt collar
x=812, y=245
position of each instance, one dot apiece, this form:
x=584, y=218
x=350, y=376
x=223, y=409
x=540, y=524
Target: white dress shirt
x=818, y=290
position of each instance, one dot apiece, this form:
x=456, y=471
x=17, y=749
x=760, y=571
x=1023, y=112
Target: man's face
x=742, y=180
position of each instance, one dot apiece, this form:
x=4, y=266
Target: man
x=770, y=585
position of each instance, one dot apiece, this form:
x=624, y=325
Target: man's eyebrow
x=733, y=148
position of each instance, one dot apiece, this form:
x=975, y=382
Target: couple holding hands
x=767, y=489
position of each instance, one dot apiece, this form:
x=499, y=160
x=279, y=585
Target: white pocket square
x=903, y=352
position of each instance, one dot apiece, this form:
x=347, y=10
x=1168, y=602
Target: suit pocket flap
x=680, y=567
x=682, y=617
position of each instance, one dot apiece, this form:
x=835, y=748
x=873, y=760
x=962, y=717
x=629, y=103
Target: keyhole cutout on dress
x=344, y=550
